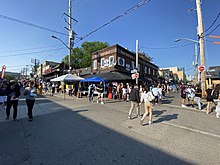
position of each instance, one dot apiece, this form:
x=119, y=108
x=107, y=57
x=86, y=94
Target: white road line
x=191, y=129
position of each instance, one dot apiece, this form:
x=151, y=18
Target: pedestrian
x=190, y=95
x=198, y=95
x=183, y=95
x=218, y=107
x=100, y=90
x=30, y=93
x=209, y=98
x=90, y=92
x=53, y=89
x=70, y=89
x=124, y=92
x=147, y=97
x=135, y=100
x=160, y=92
x=13, y=92
x=155, y=93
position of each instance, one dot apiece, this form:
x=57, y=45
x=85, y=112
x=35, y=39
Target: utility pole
x=201, y=44
x=196, y=64
x=70, y=34
x=137, y=59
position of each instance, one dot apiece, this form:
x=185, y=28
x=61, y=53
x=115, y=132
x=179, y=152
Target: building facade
x=118, y=59
x=174, y=73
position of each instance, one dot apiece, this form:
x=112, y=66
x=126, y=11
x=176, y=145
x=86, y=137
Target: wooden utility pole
x=70, y=33
x=137, y=59
x=201, y=44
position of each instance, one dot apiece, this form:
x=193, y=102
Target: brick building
x=116, y=63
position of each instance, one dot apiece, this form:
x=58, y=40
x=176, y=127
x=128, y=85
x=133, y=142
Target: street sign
x=201, y=68
x=135, y=75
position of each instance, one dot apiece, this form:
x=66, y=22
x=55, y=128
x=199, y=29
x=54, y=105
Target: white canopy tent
x=67, y=77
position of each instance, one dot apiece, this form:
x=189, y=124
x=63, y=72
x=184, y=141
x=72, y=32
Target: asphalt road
x=73, y=131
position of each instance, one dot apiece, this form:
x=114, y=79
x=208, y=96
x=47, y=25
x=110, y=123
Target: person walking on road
x=148, y=99
x=13, y=92
x=100, y=90
x=198, y=95
x=155, y=93
x=30, y=93
x=183, y=95
x=209, y=98
x=135, y=100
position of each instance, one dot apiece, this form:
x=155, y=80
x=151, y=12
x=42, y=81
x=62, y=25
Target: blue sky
x=156, y=25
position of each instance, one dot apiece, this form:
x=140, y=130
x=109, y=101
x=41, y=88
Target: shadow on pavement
x=66, y=137
x=166, y=118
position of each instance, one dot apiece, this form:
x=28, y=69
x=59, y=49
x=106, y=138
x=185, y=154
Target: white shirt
x=155, y=91
x=144, y=96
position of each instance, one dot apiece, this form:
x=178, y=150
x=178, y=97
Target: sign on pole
x=201, y=68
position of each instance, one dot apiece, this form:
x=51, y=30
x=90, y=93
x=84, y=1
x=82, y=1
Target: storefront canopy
x=93, y=79
x=67, y=77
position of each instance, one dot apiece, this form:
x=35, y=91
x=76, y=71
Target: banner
x=3, y=71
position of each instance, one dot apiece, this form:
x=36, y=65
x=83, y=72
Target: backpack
x=150, y=97
x=215, y=94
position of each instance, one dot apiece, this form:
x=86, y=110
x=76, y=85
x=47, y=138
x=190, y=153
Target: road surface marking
x=191, y=129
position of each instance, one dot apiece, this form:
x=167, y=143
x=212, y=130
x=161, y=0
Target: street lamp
x=68, y=47
x=203, y=74
x=196, y=53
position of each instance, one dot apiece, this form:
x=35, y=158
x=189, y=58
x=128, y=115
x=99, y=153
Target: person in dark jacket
x=135, y=100
x=13, y=92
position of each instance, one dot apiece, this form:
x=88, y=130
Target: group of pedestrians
x=10, y=93
x=147, y=96
x=193, y=94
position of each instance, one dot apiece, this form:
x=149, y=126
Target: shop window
x=132, y=65
x=121, y=61
x=145, y=69
x=102, y=62
x=95, y=64
x=111, y=60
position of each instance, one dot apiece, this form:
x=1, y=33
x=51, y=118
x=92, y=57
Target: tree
x=82, y=57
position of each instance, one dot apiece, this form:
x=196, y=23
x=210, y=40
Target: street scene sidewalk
x=74, y=131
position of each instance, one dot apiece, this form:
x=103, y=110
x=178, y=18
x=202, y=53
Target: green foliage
x=82, y=57
x=8, y=77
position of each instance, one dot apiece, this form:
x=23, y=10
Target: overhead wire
x=34, y=48
x=24, y=54
x=30, y=24
x=171, y=47
x=140, y=4
x=213, y=22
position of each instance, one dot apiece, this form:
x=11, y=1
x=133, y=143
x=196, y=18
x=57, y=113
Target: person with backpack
x=148, y=98
x=135, y=100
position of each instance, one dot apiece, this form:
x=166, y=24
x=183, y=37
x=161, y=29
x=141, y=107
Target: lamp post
x=196, y=54
x=69, y=49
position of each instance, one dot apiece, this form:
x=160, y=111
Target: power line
x=18, y=50
x=30, y=24
x=171, y=47
x=24, y=54
x=213, y=22
x=213, y=30
x=140, y=4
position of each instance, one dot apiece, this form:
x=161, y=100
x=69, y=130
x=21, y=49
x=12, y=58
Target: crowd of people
x=192, y=94
x=10, y=92
x=149, y=95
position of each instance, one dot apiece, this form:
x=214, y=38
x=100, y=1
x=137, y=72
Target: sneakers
x=129, y=117
x=7, y=118
x=217, y=115
x=150, y=122
x=30, y=120
x=183, y=105
x=97, y=101
x=102, y=102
